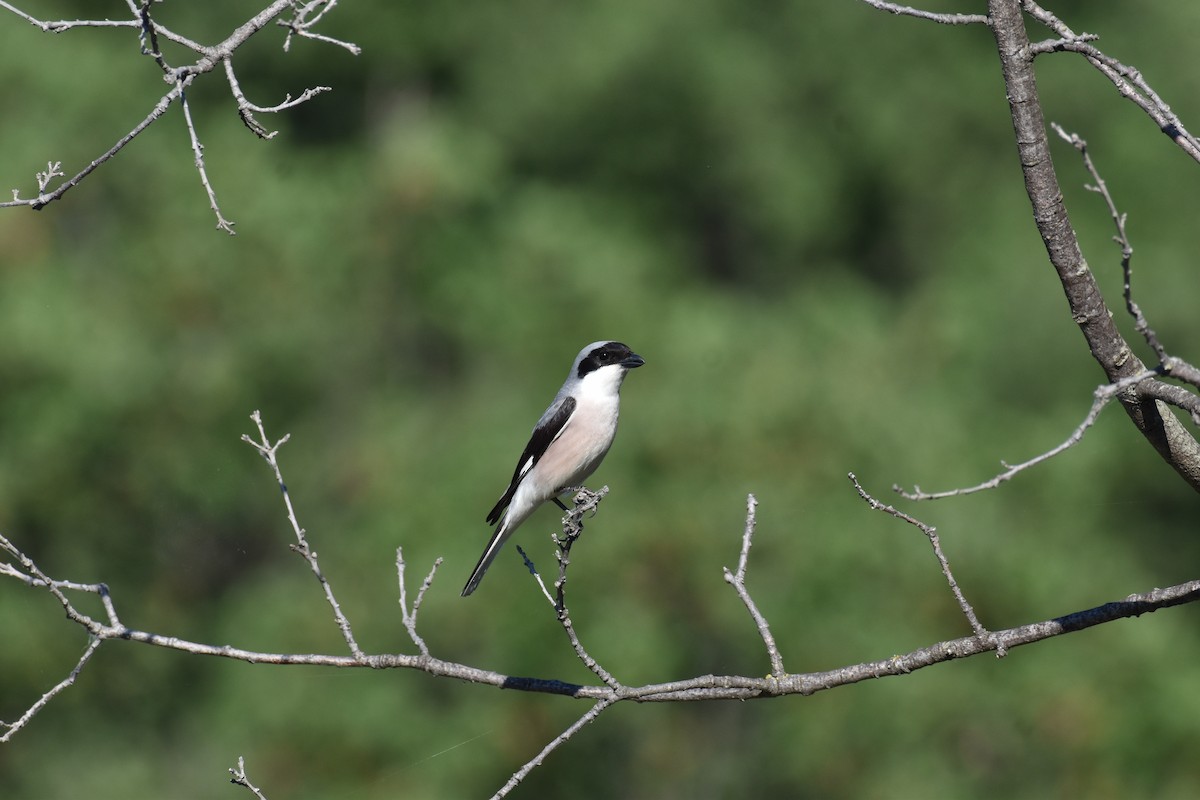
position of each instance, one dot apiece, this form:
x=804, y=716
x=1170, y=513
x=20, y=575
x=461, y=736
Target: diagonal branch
x=10, y=728
x=561, y=739
x=46, y=198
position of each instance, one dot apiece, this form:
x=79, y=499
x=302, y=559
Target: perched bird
x=568, y=442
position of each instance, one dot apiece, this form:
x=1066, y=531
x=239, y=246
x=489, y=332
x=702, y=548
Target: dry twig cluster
x=298, y=17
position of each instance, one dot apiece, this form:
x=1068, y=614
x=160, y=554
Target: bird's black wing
x=545, y=433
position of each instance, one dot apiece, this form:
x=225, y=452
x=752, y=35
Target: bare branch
x=1174, y=443
x=1102, y=396
x=1122, y=239
x=930, y=532
x=706, y=687
x=529, y=565
x=410, y=615
x=572, y=529
x=702, y=688
x=1128, y=81
x=944, y=19
x=246, y=109
x=738, y=582
x=149, y=30
x=1060, y=45
x=43, y=199
x=268, y=451
x=58, y=26
x=198, y=150
x=585, y=501
x=1173, y=395
x=10, y=728
x=561, y=739
x=239, y=778
x=149, y=38
x=301, y=25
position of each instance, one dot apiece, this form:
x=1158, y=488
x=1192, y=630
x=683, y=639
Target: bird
x=568, y=442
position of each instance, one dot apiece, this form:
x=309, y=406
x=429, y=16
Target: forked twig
x=239, y=778
x=738, y=581
x=208, y=59
x=1127, y=80
x=409, y=615
x=930, y=532
x=268, y=452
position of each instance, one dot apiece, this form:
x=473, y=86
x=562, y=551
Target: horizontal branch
x=944, y=19
x=702, y=688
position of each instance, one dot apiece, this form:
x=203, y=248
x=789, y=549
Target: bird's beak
x=634, y=360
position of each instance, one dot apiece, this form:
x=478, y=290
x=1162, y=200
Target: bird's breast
x=576, y=453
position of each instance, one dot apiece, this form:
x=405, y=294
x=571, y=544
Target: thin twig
x=268, y=451
x=239, y=778
x=529, y=565
x=944, y=19
x=1101, y=397
x=1122, y=239
x=562, y=738
x=301, y=25
x=930, y=532
x=1127, y=80
x=149, y=38
x=11, y=728
x=43, y=199
x=60, y=25
x=408, y=615
x=246, y=109
x=572, y=529
x=180, y=77
x=738, y=582
x=198, y=151
x=585, y=501
x=32, y=575
x=1061, y=44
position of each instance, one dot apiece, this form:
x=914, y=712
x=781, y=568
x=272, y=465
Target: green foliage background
x=810, y=221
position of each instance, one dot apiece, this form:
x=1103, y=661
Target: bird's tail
x=503, y=531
